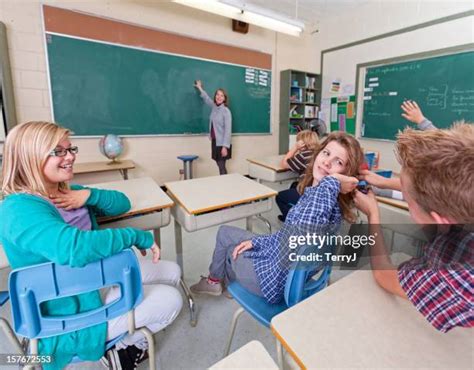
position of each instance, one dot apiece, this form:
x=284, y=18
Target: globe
x=111, y=146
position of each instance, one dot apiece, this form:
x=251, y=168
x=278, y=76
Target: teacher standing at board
x=220, y=126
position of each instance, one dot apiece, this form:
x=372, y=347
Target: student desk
x=269, y=169
x=354, y=323
x=150, y=205
x=89, y=167
x=209, y=201
x=393, y=202
x=253, y=355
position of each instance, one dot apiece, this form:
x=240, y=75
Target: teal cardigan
x=32, y=231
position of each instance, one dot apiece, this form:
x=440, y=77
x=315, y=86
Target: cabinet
x=300, y=97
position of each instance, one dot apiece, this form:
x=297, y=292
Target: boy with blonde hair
x=436, y=180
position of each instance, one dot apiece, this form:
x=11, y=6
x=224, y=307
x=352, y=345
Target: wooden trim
x=287, y=348
x=73, y=23
x=220, y=206
x=101, y=220
x=393, y=202
x=278, y=170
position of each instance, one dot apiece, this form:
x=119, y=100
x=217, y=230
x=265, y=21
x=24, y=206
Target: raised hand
x=412, y=111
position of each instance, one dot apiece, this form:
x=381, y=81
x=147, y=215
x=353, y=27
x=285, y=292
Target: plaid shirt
x=317, y=207
x=441, y=283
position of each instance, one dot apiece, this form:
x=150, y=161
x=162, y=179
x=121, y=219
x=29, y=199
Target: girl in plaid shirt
x=256, y=261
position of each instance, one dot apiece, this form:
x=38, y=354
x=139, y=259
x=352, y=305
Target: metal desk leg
x=124, y=173
x=265, y=221
x=248, y=223
x=178, y=236
x=157, y=236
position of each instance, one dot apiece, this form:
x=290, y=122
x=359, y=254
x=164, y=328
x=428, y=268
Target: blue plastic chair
x=32, y=285
x=304, y=280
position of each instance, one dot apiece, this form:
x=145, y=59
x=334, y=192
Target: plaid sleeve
x=443, y=296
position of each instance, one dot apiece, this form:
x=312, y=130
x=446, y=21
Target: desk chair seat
x=32, y=285
x=300, y=284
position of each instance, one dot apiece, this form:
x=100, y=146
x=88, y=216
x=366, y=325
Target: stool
x=187, y=165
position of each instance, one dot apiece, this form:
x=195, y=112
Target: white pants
x=160, y=306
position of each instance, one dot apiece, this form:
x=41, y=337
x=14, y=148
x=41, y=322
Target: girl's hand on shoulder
x=348, y=183
x=155, y=253
x=366, y=203
x=71, y=199
x=241, y=248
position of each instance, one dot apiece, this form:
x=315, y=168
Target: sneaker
x=204, y=287
x=120, y=359
x=136, y=354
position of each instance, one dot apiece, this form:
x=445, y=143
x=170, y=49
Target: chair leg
x=279, y=354
x=232, y=329
x=151, y=346
x=5, y=326
x=191, y=304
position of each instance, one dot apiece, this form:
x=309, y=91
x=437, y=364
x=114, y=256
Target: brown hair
x=226, y=98
x=355, y=157
x=26, y=151
x=440, y=165
x=309, y=138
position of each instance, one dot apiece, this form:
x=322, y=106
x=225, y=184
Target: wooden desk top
x=216, y=192
x=89, y=167
x=394, y=202
x=253, y=355
x=354, y=323
x=272, y=162
x=144, y=194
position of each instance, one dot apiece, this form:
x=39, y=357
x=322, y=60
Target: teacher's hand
x=198, y=84
x=224, y=151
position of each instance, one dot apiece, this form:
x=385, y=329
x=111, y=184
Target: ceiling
x=309, y=11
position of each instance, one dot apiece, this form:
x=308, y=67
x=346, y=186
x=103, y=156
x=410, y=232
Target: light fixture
x=248, y=13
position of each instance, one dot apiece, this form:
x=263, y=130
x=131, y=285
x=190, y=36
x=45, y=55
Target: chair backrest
x=306, y=278
x=30, y=286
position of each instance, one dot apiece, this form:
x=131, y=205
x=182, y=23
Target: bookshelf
x=300, y=96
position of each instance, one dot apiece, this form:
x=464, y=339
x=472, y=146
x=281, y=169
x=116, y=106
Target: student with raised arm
x=259, y=262
x=44, y=219
x=412, y=113
x=220, y=126
x=436, y=180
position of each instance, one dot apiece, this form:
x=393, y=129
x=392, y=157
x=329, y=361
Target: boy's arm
x=380, y=181
x=384, y=272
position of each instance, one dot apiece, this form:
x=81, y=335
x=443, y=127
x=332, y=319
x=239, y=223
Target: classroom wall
x=154, y=156
x=380, y=17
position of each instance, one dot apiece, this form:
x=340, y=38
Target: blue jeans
x=287, y=199
x=224, y=267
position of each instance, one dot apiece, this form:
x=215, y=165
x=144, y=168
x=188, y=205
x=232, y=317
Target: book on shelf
x=296, y=95
x=310, y=82
x=311, y=111
x=310, y=97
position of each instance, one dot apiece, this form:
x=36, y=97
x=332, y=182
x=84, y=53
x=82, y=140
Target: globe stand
x=114, y=161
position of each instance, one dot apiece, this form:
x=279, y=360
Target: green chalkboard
x=99, y=88
x=443, y=87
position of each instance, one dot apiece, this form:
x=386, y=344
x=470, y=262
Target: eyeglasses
x=63, y=151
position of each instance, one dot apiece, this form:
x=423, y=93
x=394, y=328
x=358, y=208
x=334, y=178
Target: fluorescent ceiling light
x=248, y=13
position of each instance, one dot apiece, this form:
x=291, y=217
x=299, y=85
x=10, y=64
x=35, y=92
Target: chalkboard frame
x=362, y=68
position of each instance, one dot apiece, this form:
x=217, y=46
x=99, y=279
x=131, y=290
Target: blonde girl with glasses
x=44, y=219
